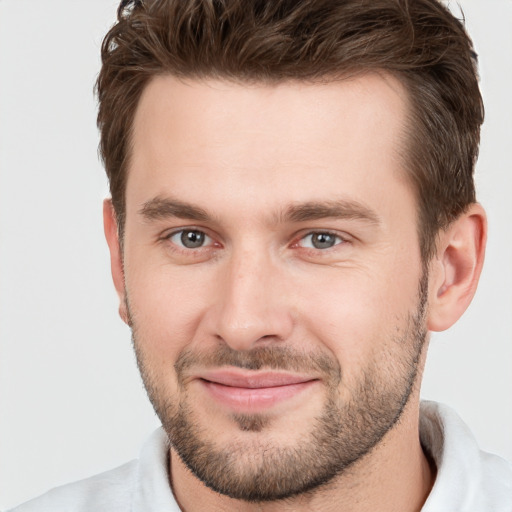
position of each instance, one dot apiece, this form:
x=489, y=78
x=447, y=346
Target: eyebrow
x=162, y=208
x=340, y=209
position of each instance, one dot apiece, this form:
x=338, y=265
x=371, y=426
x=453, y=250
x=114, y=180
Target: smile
x=253, y=392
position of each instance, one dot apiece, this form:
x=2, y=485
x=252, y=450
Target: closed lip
x=254, y=379
x=253, y=391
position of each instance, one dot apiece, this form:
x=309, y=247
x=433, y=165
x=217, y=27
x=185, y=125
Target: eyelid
x=168, y=234
x=343, y=238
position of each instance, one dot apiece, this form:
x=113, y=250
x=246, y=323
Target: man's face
x=273, y=277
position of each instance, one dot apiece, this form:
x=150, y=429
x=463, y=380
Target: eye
x=320, y=240
x=190, y=238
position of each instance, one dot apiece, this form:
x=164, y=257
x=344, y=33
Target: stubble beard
x=255, y=469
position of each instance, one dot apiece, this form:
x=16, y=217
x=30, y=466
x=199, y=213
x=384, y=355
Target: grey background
x=71, y=400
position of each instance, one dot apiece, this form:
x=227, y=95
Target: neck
x=395, y=475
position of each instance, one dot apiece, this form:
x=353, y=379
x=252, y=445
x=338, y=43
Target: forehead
x=291, y=141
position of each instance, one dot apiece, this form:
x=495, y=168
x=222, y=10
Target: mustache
x=270, y=357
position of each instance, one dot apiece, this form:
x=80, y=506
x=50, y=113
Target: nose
x=252, y=307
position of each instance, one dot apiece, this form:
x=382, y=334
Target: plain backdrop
x=71, y=401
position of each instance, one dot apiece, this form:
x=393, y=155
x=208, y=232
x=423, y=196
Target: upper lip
x=253, y=379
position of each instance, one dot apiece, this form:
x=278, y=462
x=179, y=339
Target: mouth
x=250, y=391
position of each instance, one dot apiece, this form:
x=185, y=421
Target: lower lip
x=254, y=399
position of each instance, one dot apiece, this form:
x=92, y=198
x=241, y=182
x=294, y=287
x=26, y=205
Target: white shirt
x=468, y=479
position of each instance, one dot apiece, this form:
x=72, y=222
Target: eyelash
x=169, y=236
x=339, y=240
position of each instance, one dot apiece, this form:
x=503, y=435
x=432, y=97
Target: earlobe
x=456, y=268
x=116, y=258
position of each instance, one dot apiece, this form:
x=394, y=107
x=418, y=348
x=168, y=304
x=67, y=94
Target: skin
x=244, y=155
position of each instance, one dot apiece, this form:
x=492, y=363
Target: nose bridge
x=251, y=307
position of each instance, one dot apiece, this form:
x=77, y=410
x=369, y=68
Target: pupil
x=192, y=239
x=323, y=240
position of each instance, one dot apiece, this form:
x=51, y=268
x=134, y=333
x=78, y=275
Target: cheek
x=166, y=306
x=355, y=312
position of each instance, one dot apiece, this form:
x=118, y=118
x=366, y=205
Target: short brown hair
x=418, y=41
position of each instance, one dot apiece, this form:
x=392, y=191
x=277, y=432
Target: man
x=292, y=212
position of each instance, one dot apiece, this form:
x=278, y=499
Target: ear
x=116, y=257
x=456, y=268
